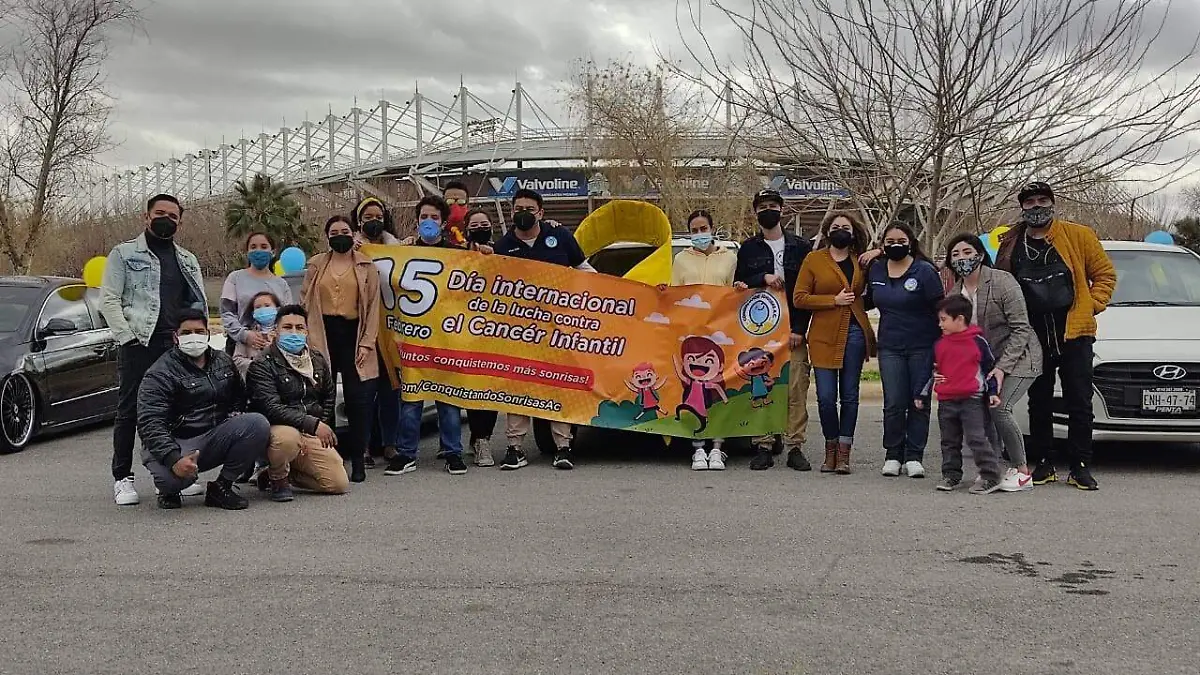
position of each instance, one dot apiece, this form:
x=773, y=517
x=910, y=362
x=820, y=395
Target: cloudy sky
x=200, y=70
x=197, y=71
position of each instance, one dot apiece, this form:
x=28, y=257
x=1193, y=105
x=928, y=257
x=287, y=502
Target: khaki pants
x=518, y=426
x=306, y=462
x=799, y=374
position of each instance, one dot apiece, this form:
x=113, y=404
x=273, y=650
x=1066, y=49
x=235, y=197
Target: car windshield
x=1156, y=279
x=15, y=304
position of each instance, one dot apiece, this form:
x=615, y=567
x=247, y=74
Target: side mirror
x=58, y=327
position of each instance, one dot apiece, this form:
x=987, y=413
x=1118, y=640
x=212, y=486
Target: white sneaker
x=700, y=460
x=195, y=489
x=914, y=469
x=124, y=493
x=483, y=452
x=1015, y=481
x=891, y=468
x=716, y=460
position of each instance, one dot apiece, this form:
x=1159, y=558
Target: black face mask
x=524, y=220
x=163, y=227
x=897, y=252
x=1039, y=216
x=769, y=219
x=341, y=243
x=480, y=235
x=841, y=238
x=373, y=228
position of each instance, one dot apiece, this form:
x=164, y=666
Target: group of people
x=978, y=333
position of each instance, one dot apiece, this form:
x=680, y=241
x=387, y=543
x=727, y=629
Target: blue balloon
x=292, y=260
x=758, y=312
x=1160, y=237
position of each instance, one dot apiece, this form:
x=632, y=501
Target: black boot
x=222, y=495
x=358, y=470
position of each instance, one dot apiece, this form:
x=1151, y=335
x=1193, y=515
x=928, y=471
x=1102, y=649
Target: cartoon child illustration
x=645, y=383
x=754, y=366
x=700, y=367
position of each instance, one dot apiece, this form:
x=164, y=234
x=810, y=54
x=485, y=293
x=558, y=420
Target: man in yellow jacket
x=1067, y=279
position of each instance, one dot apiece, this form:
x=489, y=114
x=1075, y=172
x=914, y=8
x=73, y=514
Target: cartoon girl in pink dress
x=700, y=366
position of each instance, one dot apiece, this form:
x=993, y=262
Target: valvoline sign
x=545, y=183
x=788, y=186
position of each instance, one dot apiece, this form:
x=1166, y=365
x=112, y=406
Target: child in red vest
x=962, y=361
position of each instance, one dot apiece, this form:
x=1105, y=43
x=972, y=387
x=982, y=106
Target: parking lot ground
x=630, y=564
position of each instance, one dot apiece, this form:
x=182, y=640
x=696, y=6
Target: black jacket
x=286, y=397
x=755, y=261
x=178, y=399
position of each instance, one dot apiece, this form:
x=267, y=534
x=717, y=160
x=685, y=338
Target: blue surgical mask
x=293, y=343
x=265, y=316
x=429, y=230
x=259, y=259
x=702, y=240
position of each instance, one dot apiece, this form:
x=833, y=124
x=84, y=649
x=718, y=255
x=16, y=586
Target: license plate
x=1169, y=400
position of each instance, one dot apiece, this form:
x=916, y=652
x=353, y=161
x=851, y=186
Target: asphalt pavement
x=630, y=564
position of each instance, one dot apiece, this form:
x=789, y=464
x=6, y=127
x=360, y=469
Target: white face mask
x=193, y=345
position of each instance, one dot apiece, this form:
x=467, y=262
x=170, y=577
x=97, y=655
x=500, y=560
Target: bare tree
x=647, y=132
x=55, y=123
x=936, y=113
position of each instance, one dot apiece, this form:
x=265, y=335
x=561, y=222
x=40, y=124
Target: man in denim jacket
x=147, y=282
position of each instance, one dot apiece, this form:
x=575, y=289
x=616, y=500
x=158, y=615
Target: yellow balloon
x=93, y=271
x=999, y=231
x=278, y=268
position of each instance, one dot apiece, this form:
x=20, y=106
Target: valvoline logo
x=798, y=187
x=556, y=186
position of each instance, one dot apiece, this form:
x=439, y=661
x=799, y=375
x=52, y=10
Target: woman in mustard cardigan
x=840, y=338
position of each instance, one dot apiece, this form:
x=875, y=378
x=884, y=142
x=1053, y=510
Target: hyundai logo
x=1170, y=372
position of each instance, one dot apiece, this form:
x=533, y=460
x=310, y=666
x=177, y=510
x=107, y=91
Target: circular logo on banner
x=551, y=242
x=760, y=314
x=910, y=284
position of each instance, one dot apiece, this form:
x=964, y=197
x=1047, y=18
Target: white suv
x=1147, y=352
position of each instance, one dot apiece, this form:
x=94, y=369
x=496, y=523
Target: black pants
x=341, y=336
x=133, y=360
x=482, y=423
x=1072, y=360
x=966, y=421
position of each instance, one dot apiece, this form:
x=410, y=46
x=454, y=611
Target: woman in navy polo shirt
x=906, y=289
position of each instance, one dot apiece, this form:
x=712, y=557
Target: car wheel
x=18, y=413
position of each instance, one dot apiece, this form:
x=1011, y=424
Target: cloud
x=658, y=318
x=721, y=338
x=695, y=302
x=772, y=345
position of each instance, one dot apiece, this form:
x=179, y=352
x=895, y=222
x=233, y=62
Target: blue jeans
x=904, y=373
x=449, y=428
x=834, y=425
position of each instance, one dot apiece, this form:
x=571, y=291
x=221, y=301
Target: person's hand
x=256, y=340
x=844, y=298
x=408, y=241
x=999, y=375
x=740, y=285
x=774, y=281
x=360, y=359
x=327, y=435
x=187, y=467
x=994, y=401
x=795, y=340
x=484, y=249
x=661, y=287
x=939, y=378
x=358, y=241
x=866, y=258
x=918, y=404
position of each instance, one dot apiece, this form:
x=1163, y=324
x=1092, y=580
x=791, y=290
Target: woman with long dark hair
x=906, y=289
x=341, y=296
x=1001, y=314
x=242, y=286
x=840, y=338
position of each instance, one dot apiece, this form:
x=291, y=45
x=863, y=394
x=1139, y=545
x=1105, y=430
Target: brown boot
x=843, y=458
x=830, y=463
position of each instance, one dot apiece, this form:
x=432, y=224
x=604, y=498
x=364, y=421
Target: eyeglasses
x=457, y=202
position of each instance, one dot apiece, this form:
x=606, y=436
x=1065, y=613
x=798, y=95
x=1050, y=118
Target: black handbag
x=1049, y=288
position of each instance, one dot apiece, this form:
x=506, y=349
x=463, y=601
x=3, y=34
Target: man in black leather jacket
x=291, y=386
x=190, y=419
x=772, y=259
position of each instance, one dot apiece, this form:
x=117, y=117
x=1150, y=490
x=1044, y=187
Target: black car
x=58, y=360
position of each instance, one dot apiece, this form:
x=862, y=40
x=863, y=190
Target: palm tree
x=267, y=206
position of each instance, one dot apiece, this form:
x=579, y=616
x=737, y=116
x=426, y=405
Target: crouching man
x=189, y=422
x=292, y=387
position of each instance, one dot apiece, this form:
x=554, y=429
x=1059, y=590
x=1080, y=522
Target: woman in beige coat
x=341, y=294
